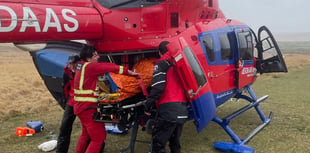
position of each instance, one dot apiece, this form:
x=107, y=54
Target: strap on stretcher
x=145, y=93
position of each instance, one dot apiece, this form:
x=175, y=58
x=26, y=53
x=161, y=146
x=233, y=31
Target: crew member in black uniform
x=168, y=96
x=65, y=130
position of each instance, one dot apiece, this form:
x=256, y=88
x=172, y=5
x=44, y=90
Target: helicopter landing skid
x=231, y=147
x=239, y=144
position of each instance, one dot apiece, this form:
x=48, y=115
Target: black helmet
x=162, y=47
x=73, y=59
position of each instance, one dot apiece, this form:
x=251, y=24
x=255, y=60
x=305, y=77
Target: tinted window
x=210, y=3
x=174, y=19
x=246, y=45
x=197, y=71
x=208, y=43
x=226, y=52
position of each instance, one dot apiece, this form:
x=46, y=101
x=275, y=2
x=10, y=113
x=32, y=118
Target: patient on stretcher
x=115, y=88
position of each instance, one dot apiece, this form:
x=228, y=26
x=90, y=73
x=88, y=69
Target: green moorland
x=289, y=130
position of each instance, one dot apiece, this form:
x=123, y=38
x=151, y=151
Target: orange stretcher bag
x=127, y=86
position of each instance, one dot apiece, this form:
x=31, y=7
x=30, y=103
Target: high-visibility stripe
x=159, y=82
x=182, y=117
x=85, y=99
x=83, y=91
x=160, y=73
x=82, y=75
x=121, y=69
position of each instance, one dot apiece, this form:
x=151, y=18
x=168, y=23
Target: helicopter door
x=50, y=62
x=188, y=67
x=270, y=58
x=194, y=81
x=246, y=70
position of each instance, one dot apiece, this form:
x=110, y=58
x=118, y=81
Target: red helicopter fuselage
x=216, y=57
x=111, y=26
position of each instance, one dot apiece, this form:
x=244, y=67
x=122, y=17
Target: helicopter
x=216, y=58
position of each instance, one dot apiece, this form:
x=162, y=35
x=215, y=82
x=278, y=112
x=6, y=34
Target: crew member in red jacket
x=168, y=96
x=86, y=98
x=65, y=130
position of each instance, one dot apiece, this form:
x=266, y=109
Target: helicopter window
x=195, y=66
x=246, y=45
x=174, y=19
x=226, y=52
x=210, y=3
x=208, y=43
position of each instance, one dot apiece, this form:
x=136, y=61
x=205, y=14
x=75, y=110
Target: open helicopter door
x=270, y=58
x=246, y=71
x=50, y=62
x=194, y=81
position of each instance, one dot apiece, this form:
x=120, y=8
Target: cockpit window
x=118, y=4
x=226, y=52
x=208, y=43
x=246, y=45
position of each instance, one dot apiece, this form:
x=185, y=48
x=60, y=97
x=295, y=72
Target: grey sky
x=278, y=15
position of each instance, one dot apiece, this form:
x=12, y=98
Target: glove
x=148, y=106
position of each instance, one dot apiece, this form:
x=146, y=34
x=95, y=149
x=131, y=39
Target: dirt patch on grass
x=297, y=60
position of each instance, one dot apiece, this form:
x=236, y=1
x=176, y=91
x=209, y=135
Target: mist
x=280, y=16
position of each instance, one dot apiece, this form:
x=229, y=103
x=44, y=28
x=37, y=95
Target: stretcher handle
x=134, y=105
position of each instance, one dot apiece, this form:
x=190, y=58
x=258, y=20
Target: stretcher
x=122, y=98
x=120, y=95
x=115, y=88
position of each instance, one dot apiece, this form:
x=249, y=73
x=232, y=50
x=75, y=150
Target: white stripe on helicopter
x=30, y=20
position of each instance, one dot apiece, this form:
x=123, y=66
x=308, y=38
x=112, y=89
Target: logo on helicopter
x=30, y=20
x=249, y=71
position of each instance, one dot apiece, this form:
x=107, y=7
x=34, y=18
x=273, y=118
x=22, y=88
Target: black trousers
x=163, y=132
x=63, y=141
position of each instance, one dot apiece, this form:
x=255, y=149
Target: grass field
x=23, y=97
